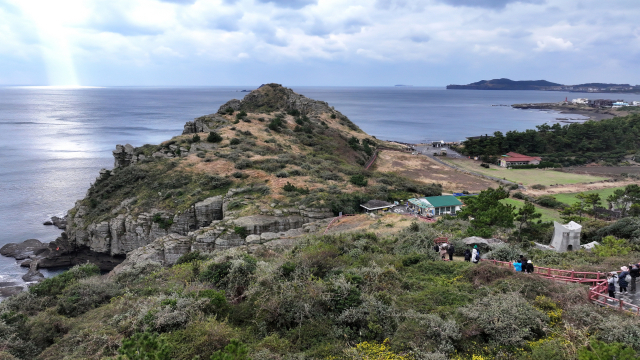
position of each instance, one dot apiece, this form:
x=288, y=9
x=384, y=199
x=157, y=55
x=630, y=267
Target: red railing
x=370, y=162
x=598, y=291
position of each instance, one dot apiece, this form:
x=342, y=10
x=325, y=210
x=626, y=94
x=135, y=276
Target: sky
x=316, y=42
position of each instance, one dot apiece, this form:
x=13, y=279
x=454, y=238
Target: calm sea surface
x=53, y=141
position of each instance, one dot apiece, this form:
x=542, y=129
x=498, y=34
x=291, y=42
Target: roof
x=445, y=200
x=376, y=204
x=421, y=203
x=571, y=225
x=511, y=156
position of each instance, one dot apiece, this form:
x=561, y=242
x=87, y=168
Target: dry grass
x=381, y=225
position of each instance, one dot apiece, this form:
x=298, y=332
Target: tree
x=525, y=217
x=487, y=212
x=214, y=137
x=573, y=212
x=234, y=351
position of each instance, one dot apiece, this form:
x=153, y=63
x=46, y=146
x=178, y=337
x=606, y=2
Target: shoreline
x=592, y=113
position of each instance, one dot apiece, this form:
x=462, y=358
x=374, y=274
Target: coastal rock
x=253, y=239
x=33, y=275
x=208, y=210
x=165, y=251
x=59, y=222
x=23, y=250
x=205, y=123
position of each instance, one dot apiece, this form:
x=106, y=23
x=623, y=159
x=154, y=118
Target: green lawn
x=547, y=214
x=571, y=198
x=527, y=177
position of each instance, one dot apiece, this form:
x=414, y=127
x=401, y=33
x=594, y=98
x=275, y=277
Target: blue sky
x=316, y=42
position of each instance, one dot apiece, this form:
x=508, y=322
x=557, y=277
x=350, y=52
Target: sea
x=54, y=141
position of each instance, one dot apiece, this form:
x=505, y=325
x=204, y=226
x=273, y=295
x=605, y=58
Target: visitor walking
x=634, y=272
x=622, y=279
x=611, y=280
x=450, y=251
x=475, y=255
x=467, y=255
x=524, y=263
x=443, y=251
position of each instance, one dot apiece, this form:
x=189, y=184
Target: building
x=376, y=206
x=580, y=101
x=636, y=103
x=618, y=104
x=435, y=205
x=511, y=159
x=566, y=237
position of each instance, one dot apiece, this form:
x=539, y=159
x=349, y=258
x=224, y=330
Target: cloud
x=491, y=4
x=292, y=4
x=550, y=43
x=420, y=37
x=181, y=2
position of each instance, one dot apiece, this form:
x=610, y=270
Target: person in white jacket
x=475, y=255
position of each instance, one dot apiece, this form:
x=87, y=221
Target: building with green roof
x=435, y=205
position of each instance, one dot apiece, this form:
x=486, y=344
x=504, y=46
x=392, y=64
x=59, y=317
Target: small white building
x=636, y=103
x=618, y=104
x=580, y=101
x=566, y=237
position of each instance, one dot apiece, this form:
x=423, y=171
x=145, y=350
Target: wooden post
x=549, y=272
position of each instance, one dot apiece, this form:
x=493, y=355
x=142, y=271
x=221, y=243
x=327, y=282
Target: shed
x=566, y=237
x=377, y=205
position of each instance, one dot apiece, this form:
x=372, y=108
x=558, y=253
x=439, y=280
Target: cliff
x=222, y=183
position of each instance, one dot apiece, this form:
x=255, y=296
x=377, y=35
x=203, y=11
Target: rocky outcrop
x=205, y=123
x=275, y=97
x=59, y=222
x=33, y=275
x=23, y=250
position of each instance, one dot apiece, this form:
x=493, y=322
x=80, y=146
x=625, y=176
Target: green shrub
x=234, y=141
x=243, y=164
x=195, y=138
x=331, y=176
x=85, y=295
x=241, y=115
x=190, y=257
x=229, y=110
x=611, y=246
x=216, y=273
x=538, y=187
x=358, y=180
x=241, y=231
x=333, y=116
x=427, y=333
x=282, y=174
x=598, y=350
x=214, y=137
x=162, y=222
x=56, y=285
x=234, y=351
x=144, y=346
x=276, y=124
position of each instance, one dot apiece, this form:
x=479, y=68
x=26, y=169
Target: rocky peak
x=275, y=97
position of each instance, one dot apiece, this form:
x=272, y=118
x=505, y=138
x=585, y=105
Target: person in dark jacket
x=524, y=263
x=450, y=251
x=611, y=280
x=467, y=255
x=529, y=267
x=436, y=248
x=635, y=273
x=622, y=279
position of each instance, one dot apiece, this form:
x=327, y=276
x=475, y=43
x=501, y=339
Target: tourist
x=467, y=255
x=517, y=265
x=524, y=263
x=450, y=251
x=611, y=280
x=443, y=251
x=529, y=267
x=475, y=255
x=622, y=279
x=634, y=272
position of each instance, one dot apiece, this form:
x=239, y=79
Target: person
x=450, y=251
x=475, y=255
x=467, y=255
x=436, y=248
x=443, y=251
x=611, y=280
x=530, y=267
x=517, y=265
x=524, y=263
x=622, y=279
x=634, y=272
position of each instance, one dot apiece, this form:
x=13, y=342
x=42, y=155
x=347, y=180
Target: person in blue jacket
x=517, y=265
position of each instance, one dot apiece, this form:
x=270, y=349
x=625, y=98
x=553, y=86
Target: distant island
x=544, y=85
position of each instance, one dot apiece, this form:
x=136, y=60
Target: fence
x=597, y=281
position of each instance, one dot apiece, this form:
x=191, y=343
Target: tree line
x=607, y=140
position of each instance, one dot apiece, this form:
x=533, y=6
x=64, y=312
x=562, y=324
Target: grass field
x=547, y=214
x=571, y=198
x=527, y=177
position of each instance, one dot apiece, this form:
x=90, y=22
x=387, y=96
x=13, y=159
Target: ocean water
x=54, y=141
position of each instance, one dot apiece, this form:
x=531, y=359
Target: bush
x=216, y=273
x=85, y=295
x=331, y=176
x=598, y=350
x=144, y=346
x=549, y=202
x=163, y=223
x=241, y=115
x=358, y=180
x=229, y=110
x=214, y=137
x=241, y=231
x=519, y=321
x=234, y=351
x=243, y=164
x=427, y=333
x=234, y=141
x=282, y=174
x=195, y=138
x=538, y=187
x=56, y=285
x=190, y=257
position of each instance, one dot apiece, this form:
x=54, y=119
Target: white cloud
x=550, y=43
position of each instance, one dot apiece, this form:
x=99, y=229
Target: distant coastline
x=544, y=85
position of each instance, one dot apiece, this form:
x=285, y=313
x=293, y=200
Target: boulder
x=33, y=275
x=253, y=239
x=23, y=250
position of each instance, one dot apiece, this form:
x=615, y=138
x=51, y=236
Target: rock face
x=33, y=274
x=275, y=97
x=205, y=123
x=23, y=250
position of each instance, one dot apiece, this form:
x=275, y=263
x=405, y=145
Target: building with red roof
x=512, y=158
